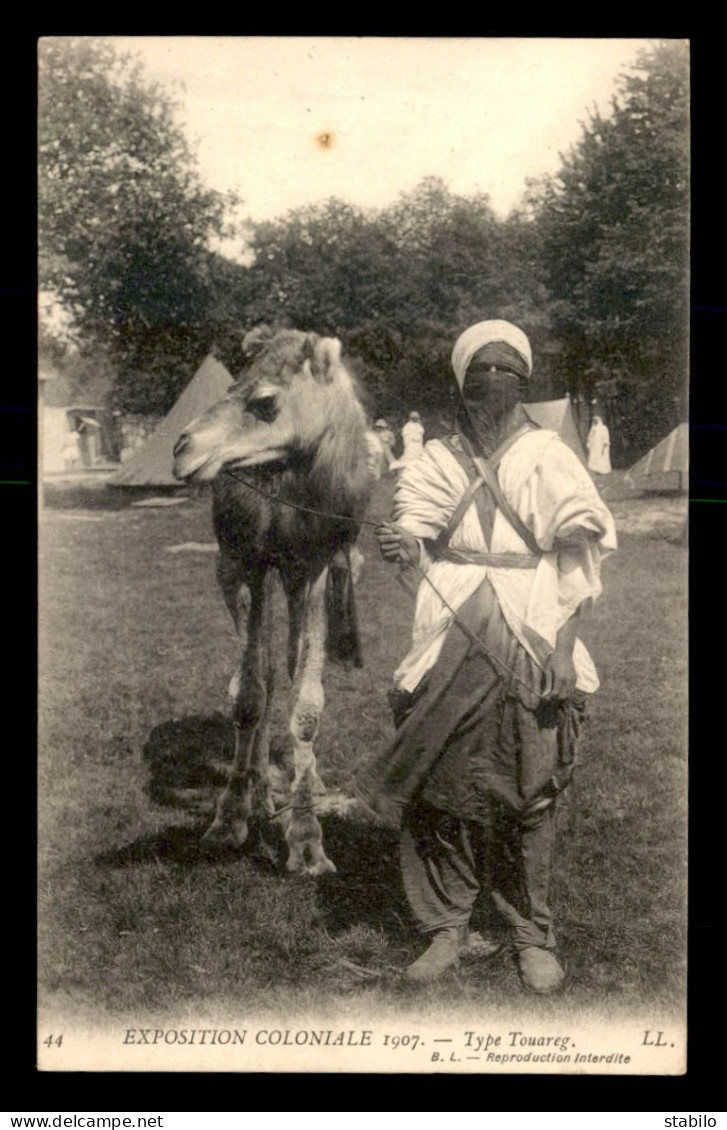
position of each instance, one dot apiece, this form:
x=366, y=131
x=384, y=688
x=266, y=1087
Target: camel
x=290, y=429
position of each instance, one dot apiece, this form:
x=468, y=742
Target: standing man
x=504, y=530
x=72, y=450
x=598, y=446
x=412, y=437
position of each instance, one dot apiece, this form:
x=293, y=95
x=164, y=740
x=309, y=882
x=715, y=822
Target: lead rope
x=414, y=565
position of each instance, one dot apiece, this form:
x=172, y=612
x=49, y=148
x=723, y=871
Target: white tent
x=152, y=464
x=667, y=464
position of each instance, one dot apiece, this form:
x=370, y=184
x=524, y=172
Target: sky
x=288, y=121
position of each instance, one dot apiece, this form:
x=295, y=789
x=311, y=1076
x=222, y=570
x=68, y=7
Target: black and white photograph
x=363, y=465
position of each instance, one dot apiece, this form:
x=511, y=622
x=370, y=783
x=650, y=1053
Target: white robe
x=598, y=444
x=412, y=435
x=552, y=493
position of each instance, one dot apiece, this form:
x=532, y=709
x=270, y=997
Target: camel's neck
x=339, y=473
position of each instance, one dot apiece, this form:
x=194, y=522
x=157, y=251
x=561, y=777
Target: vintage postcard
x=362, y=517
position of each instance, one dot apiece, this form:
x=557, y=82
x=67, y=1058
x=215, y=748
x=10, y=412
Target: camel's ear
x=256, y=340
x=324, y=354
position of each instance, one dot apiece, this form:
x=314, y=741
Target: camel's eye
x=264, y=405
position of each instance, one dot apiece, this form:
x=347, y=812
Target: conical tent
x=667, y=462
x=558, y=416
x=152, y=464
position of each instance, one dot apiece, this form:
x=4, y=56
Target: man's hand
x=560, y=670
x=397, y=544
x=560, y=675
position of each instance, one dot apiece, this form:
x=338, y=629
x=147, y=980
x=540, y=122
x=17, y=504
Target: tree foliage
x=124, y=221
x=613, y=235
x=395, y=284
x=594, y=268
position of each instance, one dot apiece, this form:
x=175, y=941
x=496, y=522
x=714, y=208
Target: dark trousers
x=472, y=777
x=450, y=865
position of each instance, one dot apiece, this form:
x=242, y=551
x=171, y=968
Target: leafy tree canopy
x=395, y=284
x=613, y=236
x=595, y=267
x=125, y=223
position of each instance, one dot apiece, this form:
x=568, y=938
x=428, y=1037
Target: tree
x=396, y=284
x=325, y=265
x=613, y=227
x=450, y=257
x=124, y=221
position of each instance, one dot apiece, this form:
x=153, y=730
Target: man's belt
x=496, y=560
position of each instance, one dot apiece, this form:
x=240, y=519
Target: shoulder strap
x=486, y=471
x=473, y=492
x=460, y=510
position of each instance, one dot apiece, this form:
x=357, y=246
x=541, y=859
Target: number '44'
x=49, y=1041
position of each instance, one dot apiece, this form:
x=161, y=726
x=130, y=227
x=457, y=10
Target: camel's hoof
x=222, y=836
x=322, y=867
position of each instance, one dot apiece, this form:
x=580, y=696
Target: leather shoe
x=441, y=955
x=539, y=970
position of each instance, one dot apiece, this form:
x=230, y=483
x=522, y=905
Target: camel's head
x=294, y=391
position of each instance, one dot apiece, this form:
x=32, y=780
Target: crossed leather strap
x=487, y=477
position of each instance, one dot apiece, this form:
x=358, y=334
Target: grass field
x=136, y=650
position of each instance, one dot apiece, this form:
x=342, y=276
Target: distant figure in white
x=598, y=444
x=72, y=450
x=412, y=436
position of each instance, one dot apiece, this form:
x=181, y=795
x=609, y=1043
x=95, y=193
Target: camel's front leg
x=248, y=790
x=303, y=834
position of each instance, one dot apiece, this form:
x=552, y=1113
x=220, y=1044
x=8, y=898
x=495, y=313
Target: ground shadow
x=183, y=846
x=89, y=493
x=85, y=495
x=366, y=887
x=186, y=760
x=175, y=844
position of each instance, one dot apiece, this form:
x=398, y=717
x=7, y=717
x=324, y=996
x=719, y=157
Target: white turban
x=484, y=333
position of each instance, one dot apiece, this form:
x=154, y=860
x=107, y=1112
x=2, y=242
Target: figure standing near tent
x=71, y=450
x=598, y=445
x=412, y=437
x=504, y=530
